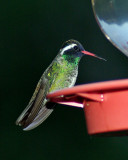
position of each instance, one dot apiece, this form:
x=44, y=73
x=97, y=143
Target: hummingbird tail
x=25, y=119
x=40, y=118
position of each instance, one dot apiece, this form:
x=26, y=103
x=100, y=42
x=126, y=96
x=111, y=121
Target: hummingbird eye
x=76, y=48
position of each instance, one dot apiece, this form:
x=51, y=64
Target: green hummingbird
x=62, y=73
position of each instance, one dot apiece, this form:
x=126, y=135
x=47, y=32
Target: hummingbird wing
x=38, y=108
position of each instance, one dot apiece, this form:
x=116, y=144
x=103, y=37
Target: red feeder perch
x=105, y=105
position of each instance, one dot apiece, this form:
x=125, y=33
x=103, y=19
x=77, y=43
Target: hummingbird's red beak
x=92, y=54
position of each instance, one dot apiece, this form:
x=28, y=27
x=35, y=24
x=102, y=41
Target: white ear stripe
x=67, y=48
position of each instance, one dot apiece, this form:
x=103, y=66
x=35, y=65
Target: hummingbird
x=61, y=73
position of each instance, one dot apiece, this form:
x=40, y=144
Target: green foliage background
x=31, y=33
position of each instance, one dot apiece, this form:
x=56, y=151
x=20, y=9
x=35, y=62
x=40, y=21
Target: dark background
x=31, y=33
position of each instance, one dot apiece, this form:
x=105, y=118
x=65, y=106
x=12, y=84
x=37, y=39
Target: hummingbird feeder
x=105, y=105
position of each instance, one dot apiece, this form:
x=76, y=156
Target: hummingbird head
x=73, y=48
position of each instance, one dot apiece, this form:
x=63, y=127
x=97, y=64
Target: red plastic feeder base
x=105, y=105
